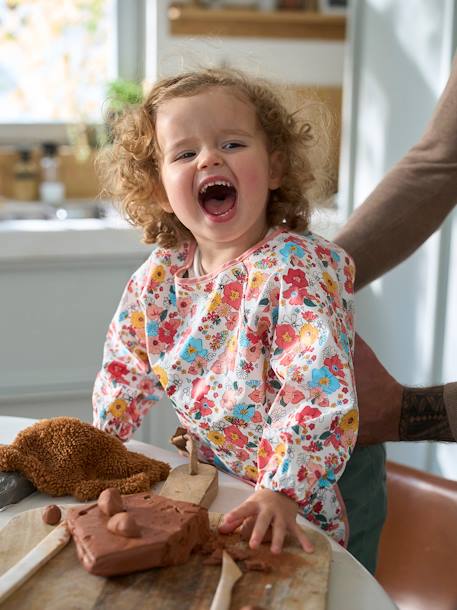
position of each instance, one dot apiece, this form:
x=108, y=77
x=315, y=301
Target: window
x=56, y=59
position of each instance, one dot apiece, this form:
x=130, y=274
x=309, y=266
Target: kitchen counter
x=22, y=240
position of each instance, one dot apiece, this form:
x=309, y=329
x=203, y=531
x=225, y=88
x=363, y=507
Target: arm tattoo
x=423, y=415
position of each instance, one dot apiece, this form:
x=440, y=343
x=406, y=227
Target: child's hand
x=263, y=509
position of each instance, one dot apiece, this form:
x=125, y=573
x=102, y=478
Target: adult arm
x=413, y=199
x=392, y=412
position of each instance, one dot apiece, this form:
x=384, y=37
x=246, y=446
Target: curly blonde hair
x=130, y=167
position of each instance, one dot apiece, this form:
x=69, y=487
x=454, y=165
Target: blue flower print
x=123, y=315
x=285, y=466
x=172, y=295
x=291, y=249
x=152, y=328
x=322, y=378
x=192, y=349
x=244, y=341
x=244, y=412
x=336, y=257
x=327, y=479
x=344, y=342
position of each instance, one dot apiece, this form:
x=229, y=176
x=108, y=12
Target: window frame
x=130, y=39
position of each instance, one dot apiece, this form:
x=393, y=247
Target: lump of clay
x=110, y=502
x=51, y=514
x=123, y=524
x=170, y=531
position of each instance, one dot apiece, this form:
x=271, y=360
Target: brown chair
x=418, y=553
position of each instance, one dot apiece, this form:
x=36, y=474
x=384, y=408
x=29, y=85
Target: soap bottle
x=25, y=177
x=52, y=190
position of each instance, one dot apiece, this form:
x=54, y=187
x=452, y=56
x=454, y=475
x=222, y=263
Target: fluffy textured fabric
x=65, y=456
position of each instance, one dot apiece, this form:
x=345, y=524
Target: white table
x=352, y=587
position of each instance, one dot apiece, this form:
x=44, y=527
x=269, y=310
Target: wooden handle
x=229, y=575
x=13, y=578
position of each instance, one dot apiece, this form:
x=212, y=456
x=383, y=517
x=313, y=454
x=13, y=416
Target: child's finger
x=303, y=539
x=237, y=516
x=225, y=527
x=279, y=533
x=261, y=526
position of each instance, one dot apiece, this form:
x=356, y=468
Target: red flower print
x=234, y=436
x=290, y=395
x=297, y=278
x=335, y=366
x=349, y=283
x=290, y=493
x=317, y=508
x=306, y=414
x=264, y=453
x=167, y=331
x=199, y=389
x=286, y=336
x=322, y=252
x=117, y=370
x=232, y=294
x=203, y=406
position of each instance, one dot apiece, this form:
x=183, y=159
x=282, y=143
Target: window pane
x=56, y=57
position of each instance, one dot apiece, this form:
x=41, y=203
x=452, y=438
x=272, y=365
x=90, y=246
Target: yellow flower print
x=280, y=450
x=256, y=280
x=216, y=437
x=141, y=354
x=215, y=302
x=158, y=274
x=308, y=334
x=330, y=283
x=350, y=421
x=251, y=473
x=231, y=345
x=137, y=319
x=118, y=407
x=161, y=374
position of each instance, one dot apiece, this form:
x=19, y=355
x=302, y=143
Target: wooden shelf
x=188, y=20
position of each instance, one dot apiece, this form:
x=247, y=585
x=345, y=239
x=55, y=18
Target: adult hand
x=263, y=509
x=379, y=397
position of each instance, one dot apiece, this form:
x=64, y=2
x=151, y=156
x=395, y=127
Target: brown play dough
x=110, y=502
x=123, y=524
x=51, y=514
x=170, y=531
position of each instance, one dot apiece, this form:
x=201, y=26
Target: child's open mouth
x=217, y=198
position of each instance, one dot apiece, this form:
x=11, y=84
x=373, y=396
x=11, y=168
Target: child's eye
x=232, y=145
x=187, y=154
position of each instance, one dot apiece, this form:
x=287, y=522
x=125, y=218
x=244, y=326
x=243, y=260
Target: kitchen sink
x=69, y=210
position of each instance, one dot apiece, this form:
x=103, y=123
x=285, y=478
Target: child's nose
x=209, y=158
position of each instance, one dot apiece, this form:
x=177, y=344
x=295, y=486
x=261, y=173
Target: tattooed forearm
x=423, y=415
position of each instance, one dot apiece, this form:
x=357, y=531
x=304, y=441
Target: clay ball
x=110, y=502
x=51, y=514
x=123, y=524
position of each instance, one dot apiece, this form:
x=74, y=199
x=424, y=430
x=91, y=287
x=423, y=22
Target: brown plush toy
x=65, y=456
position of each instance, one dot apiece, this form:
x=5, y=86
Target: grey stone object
x=13, y=488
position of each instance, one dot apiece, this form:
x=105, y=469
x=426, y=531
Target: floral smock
x=256, y=359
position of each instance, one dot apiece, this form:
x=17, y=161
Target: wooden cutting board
x=299, y=581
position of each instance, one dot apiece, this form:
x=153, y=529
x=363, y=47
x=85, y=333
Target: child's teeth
x=219, y=182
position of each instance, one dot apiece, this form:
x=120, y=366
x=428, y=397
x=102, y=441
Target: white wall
x=399, y=60
x=307, y=62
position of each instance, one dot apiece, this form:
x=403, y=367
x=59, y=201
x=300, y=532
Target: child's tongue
x=218, y=206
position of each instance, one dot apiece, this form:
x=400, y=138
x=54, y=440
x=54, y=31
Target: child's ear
x=165, y=205
x=163, y=199
x=276, y=170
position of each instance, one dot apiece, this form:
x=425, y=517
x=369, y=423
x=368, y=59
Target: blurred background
x=378, y=65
